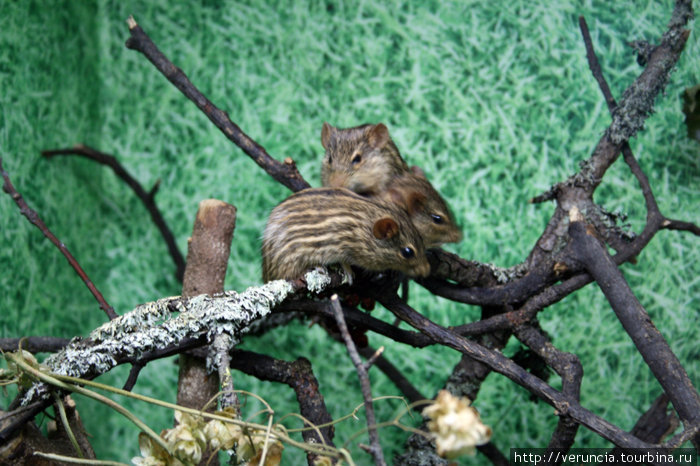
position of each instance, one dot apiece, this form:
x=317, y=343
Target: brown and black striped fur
x=364, y=159
x=324, y=226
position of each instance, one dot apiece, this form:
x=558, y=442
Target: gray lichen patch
x=505, y=275
x=317, y=280
x=153, y=326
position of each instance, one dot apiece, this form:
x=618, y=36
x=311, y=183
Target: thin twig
x=679, y=225
x=375, y=448
x=394, y=374
x=133, y=376
x=285, y=172
x=35, y=220
x=148, y=198
x=594, y=64
x=373, y=358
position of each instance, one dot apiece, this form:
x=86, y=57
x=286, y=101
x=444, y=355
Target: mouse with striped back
x=325, y=226
x=365, y=160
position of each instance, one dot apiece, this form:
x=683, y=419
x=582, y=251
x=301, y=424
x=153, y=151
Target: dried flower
x=222, y=435
x=187, y=439
x=455, y=425
x=153, y=454
x=251, y=446
x=190, y=437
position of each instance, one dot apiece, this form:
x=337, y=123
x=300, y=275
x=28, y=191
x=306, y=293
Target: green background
x=494, y=100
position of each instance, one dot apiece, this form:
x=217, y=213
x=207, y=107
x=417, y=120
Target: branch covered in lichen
x=154, y=325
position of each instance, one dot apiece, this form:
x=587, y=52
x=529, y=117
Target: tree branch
x=569, y=368
x=286, y=173
x=148, y=198
x=300, y=377
x=35, y=220
x=499, y=363
x=33, y=344
x=375, y=448
x=646, y=337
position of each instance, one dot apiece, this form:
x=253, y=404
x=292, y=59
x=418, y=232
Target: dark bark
x=499, y=363
x=646, y=337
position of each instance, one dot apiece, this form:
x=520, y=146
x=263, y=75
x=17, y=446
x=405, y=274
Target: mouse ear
x=396, y=196
x=326, y=133
x=385, y=228
x=418, y=171
x=378, y=136
x=415, y=202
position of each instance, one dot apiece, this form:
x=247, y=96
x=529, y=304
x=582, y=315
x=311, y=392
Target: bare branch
x=499, y=363
x=569, y=368
x=148, y=198
x=375, y=448
x=594, y=64
x=648, y=340
x=133, y=375
x=680, y=225
x=33, y=344
x=35, y=220
x=286, y=173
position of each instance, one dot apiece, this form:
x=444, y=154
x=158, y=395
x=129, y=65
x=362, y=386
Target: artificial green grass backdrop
x=493, y=100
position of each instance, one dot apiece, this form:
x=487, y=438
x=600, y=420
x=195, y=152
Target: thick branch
x=646, y=337
x=207, y=259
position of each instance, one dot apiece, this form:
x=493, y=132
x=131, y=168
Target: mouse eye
x=408, y=253
x=330, y=159
x=357, y=158
x=437, y=219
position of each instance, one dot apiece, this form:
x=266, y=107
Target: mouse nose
x=424, y=269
